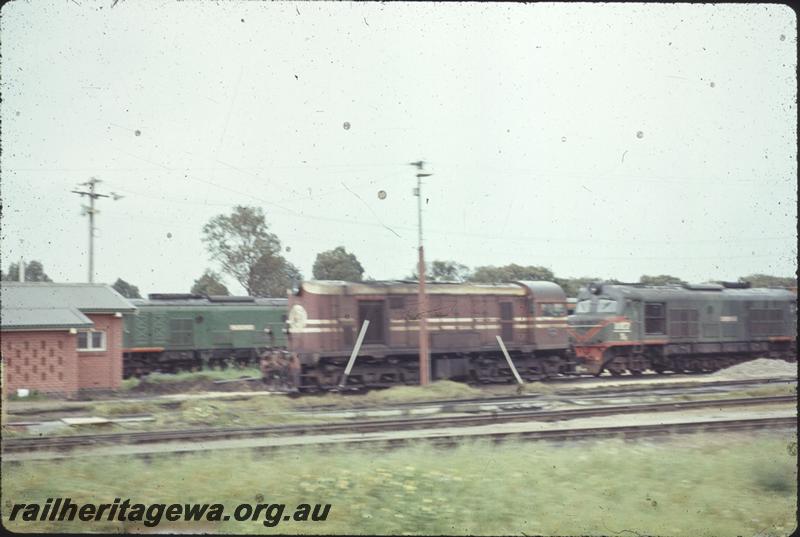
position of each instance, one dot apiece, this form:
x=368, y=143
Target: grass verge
x=191, y=381
x=695, y=485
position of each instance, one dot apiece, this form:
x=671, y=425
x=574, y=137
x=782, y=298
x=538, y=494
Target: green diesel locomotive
x=186, y=332
x=632, y=327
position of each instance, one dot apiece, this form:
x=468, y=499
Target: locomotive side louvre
x=697, y=328
x=187, y=333
x=325, y=318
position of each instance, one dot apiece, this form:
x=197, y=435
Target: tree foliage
x=571, y=286
x=273, y=275
x=337, y=264
x=125, y=289
x=448, y=271
x=765, y=280
x=210, y=283
x=662, y=279
x=247, y=251
x=443, y=271
x=34, y=272
x=510, y=273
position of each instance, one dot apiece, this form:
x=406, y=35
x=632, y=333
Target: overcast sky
x=593, y=139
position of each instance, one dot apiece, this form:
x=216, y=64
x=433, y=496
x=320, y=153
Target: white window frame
x=90, y=348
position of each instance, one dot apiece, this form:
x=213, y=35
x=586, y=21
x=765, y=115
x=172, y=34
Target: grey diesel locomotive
x=634, y=327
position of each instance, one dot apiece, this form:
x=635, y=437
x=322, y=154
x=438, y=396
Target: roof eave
x=44, y=328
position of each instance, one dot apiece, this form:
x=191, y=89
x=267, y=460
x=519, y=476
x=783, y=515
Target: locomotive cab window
x=654, y=318
x=553, y=310
x=583, y=306
x=605, y=305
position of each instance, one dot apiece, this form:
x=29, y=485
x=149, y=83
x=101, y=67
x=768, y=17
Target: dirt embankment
x=760, y=368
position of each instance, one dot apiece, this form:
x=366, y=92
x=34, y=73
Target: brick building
x=61, y=338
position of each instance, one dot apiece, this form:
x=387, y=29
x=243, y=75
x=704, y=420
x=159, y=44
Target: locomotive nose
x=586, y=328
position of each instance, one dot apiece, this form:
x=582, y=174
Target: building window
x=92, y=341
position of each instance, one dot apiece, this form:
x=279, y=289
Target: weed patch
x=684, y=485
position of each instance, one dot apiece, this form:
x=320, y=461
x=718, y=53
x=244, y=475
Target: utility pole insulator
x=91, y=211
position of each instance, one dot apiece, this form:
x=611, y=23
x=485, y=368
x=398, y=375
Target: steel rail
x=632, y=388
x=627, y=387
x=11, y=445
x=453, y=438
x=623, y=431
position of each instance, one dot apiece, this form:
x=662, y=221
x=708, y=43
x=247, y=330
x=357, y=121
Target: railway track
x=625, y=431
x=58, y=443
x=17, y=408
x=619, y=391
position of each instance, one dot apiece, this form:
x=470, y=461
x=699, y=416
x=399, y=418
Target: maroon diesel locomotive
x=463, y=320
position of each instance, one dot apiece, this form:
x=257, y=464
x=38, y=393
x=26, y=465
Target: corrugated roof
x=43, y=318
x=86, y=297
